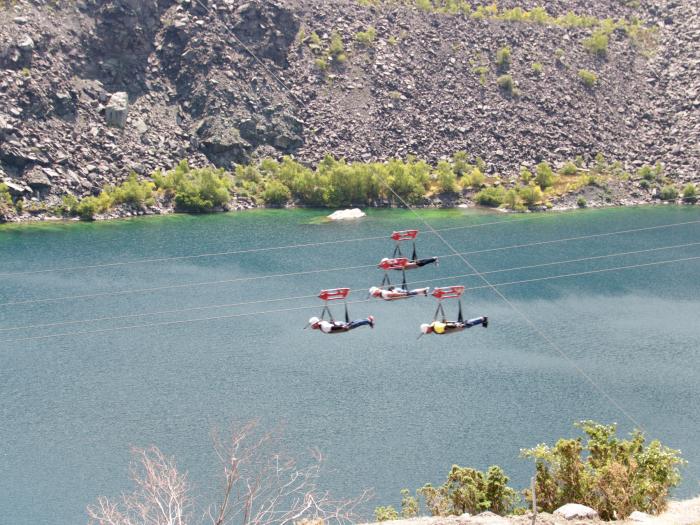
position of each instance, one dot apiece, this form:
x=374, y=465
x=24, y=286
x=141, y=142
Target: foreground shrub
x=133, y=192
x=612, y=475
x=195, y=190
x=505, y=82
x=569, y=169
x=531, y=195
x=446, y=178
x=597, y=43
x=91, y=206
x=387, y=513
x=690, y=193
x=366, y=38
x=503, y=58
x=472, y=491
x=490, y=197
x=6, y=209
x=276, y=193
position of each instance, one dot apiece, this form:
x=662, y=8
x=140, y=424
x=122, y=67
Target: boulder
x=117, y=109
x=343, y=215
x=16, y=190
x=640, y=517
x=221, y=141
x=572, y=511
x=25, y=44
x=37, y=180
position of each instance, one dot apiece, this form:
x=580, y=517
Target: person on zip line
x=411, y=264
x=334, y=327
x=449, y=327
x=393, y=293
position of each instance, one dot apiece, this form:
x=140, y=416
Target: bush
x=505, y=82
x=91, y=206
x=526, y=175
x=133, y=192
x=589, y=78
x=6, y=209
x=537, y=68
x=581, y=202
x=476, y=178
x=460, y=163
x=569, y=169
x=490, y=197
x=512, y=200
x=597, y=43
x=544, y=176
x=337, y=48
x=668, y=193
x=503, y=58
x=409, y=505
x=644, y=184
x=446, y=178
x=612, y=475
x=690, y=193
x=366, y=38
x=387, y=513
x=276, y=193
x=531, y=195
x=69, y=205
x=470, y=491
x=195, y=190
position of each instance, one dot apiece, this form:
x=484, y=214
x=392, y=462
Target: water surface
x=387, y=410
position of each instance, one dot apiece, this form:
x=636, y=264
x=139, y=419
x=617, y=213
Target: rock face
x=572, y=511
x=426, y=86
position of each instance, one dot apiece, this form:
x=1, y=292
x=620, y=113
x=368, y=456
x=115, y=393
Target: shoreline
x=126, y=213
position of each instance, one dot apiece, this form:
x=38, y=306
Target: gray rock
x=25, y=44
x=37, y=180
x=572, y=511
x=117, y=109
x=641, y=517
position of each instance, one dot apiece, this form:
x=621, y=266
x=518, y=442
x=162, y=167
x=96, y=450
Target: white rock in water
x=572, y=511
x=641, y=517
x=343, y=215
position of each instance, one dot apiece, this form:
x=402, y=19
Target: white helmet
x=374, y=291
x=426, y=328
x=314, y=321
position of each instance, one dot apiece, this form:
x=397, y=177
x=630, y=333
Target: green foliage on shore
x=6, y=208
x=615, y=476
x=195, y=190
x=668, y=193
x=690, y=193
x=492, y=197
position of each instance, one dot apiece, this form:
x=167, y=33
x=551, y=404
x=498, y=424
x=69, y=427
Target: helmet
x=375, y=292
x=426, y=328
x=314, y=321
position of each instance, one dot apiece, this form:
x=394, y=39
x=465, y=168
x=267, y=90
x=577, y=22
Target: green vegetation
x=597, y=43
x=503, y=58
x=337, y=49
x=531, y=195
x=544, y=176
x=581, y=202
x=195, y=190
x=668, y=193
x=446, y=177
x=612, y=475
x=690, y=193
x=366, y=38
x=505, y=82
x=492, y=197
x=589, y=78
x=5, y=202
x=537, y=68
x=569, y=169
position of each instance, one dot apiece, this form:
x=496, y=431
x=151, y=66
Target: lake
x=388, y=410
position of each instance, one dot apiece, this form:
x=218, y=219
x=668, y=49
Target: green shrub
x=460, y=163
x=690, y=193
x=597, y=43
x=276, y=193
x=321, y=64
x=446, y=178
x=531, y=195
x=581, y=202
x=366, y=38
x=589, y=78
x=612, y=475
x=569, y=169
x=476, y=178
x=537, y=68
x=483, y=72
x=512, y=199
x=409, y=505
x=467, y=490
x=133, y=192
x=644, y=184
x=387, y=513
x=91, y=206
x=526, y=175
x=195, y=190
x=503, y=58
x=315, y=43
x=337, y=48
x=646, y=172
x=5, y=197
x=505, y=82
x=544, y=176
x=492, y=197
x=668, y=193
x=69, y=205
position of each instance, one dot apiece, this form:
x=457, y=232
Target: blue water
x=389, y=411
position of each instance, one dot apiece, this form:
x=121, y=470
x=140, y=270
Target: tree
x=260, y=486
x=446, y=178
x=544, y=176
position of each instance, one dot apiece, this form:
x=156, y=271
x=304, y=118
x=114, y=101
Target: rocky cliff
x=94, y=89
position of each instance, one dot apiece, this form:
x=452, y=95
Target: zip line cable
x=353, y=290
x=311, y=272
x=247, y=251
x=539, y=279
x=522, y=314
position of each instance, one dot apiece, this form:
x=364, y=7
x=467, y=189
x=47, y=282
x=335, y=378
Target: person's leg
x=477, y=321
x=361, y=322
x=423, y=262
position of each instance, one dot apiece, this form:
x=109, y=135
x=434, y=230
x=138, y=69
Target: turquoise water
x=389, y=411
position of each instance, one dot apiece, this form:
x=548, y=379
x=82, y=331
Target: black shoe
x=485, y=323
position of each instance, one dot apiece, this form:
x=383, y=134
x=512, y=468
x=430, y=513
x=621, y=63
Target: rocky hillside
x=94, y=89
